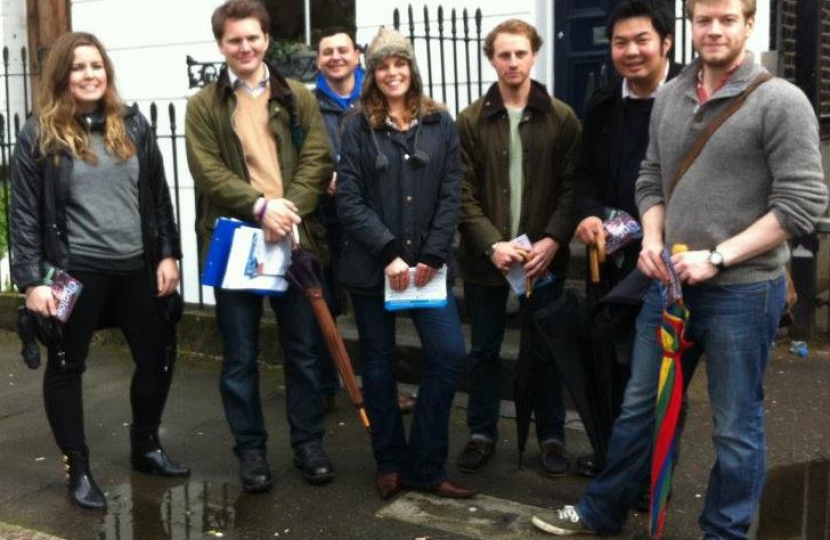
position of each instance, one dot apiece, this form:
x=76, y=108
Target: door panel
x=581, y=48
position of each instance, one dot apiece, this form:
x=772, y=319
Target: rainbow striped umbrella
x=671, y=334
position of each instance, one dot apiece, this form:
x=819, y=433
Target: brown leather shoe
x=449, y=490
x=388, y=485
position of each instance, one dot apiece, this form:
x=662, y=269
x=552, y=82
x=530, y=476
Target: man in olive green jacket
x=258, y=151
x=519, y=148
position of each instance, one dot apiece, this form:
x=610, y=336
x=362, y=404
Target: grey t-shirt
x=102, y=212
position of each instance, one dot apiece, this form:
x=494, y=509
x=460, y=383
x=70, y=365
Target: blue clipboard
x=216, y=262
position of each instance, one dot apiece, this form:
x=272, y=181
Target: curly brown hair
x=513, y=26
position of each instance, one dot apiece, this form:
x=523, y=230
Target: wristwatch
x=489, y=251
x=716, y=259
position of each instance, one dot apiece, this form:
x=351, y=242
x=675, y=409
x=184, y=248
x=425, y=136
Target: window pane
x=288, y=18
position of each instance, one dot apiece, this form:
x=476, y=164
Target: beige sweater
x=250, y=121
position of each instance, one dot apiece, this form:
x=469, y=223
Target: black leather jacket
x=38, y=207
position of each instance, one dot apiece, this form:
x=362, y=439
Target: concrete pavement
x=210, y=504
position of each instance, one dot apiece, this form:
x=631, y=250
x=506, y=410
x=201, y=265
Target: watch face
x=716, y=259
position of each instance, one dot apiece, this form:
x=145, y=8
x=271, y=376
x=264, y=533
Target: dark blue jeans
x=486, y=305
x=238, y=315
x=734, y=326
x=422, y=461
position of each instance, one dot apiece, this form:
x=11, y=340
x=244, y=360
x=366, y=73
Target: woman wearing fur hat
x=398, y=200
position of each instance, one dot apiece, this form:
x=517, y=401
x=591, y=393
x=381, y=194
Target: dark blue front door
x=581, y=48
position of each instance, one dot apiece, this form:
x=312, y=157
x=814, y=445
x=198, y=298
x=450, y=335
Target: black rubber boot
x=147, y=455
x=82, y=487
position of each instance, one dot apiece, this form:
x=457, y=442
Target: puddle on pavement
x=796, y=503
x=484, y=518
x=145, y=510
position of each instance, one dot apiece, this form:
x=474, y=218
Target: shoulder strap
x=716, y=122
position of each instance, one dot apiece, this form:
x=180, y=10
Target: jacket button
x=406, y=156
x=409, y=198
x=408, y=242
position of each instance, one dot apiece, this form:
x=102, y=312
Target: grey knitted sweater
x=765, y=158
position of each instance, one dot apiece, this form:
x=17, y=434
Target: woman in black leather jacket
x=89, y=197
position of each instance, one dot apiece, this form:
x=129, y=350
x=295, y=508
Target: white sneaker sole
x=553, y=529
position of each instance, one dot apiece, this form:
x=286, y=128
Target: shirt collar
x=259, y=88
x=628, y=93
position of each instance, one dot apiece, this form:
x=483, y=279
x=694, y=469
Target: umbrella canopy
x=672, y=337
x=306, y=274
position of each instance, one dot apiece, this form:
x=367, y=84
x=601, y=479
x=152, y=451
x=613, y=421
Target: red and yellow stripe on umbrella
x=671, y=334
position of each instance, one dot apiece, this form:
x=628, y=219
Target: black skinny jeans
x=126, y=301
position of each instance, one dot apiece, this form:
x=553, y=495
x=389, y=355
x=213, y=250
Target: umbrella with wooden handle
x=305, y=273
x=596, y=256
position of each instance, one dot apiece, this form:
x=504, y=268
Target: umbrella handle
x=364, y=418
x=593, y=263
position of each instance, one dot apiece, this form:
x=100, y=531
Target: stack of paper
x=240, y=259
x=431, y=295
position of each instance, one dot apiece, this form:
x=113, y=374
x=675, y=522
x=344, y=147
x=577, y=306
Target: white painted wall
x=13, y=37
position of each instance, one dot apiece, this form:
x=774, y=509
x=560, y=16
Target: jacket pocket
x=358, y=269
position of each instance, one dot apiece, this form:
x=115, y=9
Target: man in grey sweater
x=757, y=182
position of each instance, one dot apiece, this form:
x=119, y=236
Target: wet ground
x=33, y=502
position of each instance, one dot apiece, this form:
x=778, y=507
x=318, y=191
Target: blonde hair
x=748, y=7
x=60, y=129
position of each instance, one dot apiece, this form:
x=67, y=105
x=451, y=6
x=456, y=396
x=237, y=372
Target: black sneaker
x=563, y=522
x=475, y=455
x=553, y=459
x=314, y=463
x=254, y=472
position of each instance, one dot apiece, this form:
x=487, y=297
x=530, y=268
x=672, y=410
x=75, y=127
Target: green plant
x=281, y=50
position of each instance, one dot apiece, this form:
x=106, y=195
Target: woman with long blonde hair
x=89, y=198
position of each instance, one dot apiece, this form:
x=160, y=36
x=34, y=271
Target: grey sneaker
x=563, y=522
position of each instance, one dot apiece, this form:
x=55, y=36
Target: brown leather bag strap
x=716, y=122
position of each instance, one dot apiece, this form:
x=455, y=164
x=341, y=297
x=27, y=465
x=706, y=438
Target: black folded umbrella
x=589, y=338
x=32, y=328
x=564, y=327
